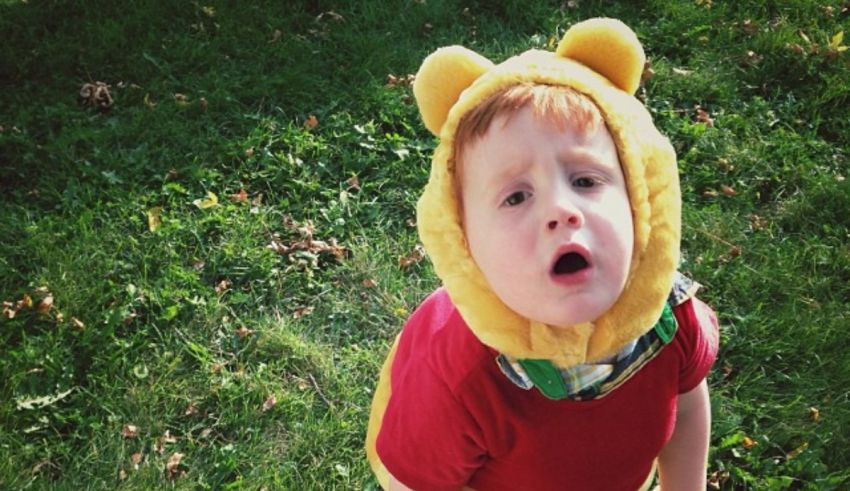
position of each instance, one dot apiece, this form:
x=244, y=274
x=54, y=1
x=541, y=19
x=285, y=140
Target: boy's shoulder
x=436, y=338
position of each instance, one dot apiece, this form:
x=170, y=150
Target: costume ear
x=444, y=74
x=608, y=47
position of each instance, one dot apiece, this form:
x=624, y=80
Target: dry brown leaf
x=96, y=95
x=710, y=193
x=164, y=440
x=647, y=73
x=370, y=283
x=751, y=58
x=734, y=251
x=793, y=454
x=9, y=310
x=269, y=403
x=749, y=27
x=749, y=443
x=121, y=474
x=240, y=197
x=172, y=468
x=24, y=303
x=136, y=458
x=191, y=410
x=757, y=222
x=302, y=311
x=222, y=286
x=353, y=183
x=703, y=117
x=717, y=478
x=77, y=324
x=130, y=431
x=814, y=414
x=414, y=257
x=728, y=190
x=311, y=122
x=243, y=332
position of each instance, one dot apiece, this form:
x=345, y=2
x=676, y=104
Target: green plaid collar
x=590, y=381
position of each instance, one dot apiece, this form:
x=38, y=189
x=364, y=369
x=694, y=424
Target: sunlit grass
x=256, y=362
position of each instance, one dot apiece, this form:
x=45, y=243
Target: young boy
x=563, y=351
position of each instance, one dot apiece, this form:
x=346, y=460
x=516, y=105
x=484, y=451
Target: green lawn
x=235, y=345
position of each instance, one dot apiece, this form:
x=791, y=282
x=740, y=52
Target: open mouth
x=571, y=262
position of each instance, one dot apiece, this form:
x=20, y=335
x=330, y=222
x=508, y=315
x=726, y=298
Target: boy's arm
x=682, y=463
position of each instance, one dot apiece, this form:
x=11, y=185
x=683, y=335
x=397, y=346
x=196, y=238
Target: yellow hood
x=603, y=59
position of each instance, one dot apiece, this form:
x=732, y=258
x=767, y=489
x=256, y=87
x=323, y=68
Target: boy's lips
x=571, y=265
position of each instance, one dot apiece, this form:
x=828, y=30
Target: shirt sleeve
x=699, y=337
x=428, y=439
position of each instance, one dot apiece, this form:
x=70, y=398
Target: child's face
x=547, y=217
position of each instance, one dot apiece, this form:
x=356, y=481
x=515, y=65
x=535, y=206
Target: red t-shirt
x=454, y=420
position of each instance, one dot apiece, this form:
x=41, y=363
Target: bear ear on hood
x=608, y=47
x=444, y=74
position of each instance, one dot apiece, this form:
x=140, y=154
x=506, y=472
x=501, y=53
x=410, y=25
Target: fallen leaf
x=9, y=310
x=208, y=202
x=797, y=451
x=734, y=251
x=749, y=27
x=353, y=183
x=154, y=218
x=727, y=190
x=717, y=478
x=121, y=474
x=172, y=467
x=205, y=433
x=240, y=197
x=311, y=122
x=164, y=440
x=148, y=102
x=249, y=152
x=203, y=104
x=269, y=403
x=191, y=410
x=276, y=36
x=682, y=71
x=77, y=324
x=751, y=58
x=45, y=305
x=814, y=414
x=703, y=117
x=243, y=332
x=757, y=222
x=647, y=72
x=24, y=303
x=96, y=95
x=136, y=458
x=129, y=431
x=710, y=193
x=370, y=283
x=796, y=49
x=749, y=443
x=331, y=15
x=414, y=257
x=222, y=286
x=302, y=311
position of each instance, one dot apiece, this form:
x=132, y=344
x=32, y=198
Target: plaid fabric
x=592, y=381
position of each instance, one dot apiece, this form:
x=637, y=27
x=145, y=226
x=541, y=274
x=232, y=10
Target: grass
x=176, y=329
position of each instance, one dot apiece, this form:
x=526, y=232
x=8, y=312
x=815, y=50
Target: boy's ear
x=608, y=47
x=444, y=74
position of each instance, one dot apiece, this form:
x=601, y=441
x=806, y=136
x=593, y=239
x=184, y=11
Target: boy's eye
x=516, y=198
x=584, y=182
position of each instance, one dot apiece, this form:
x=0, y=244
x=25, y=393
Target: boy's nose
x=564, y=213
